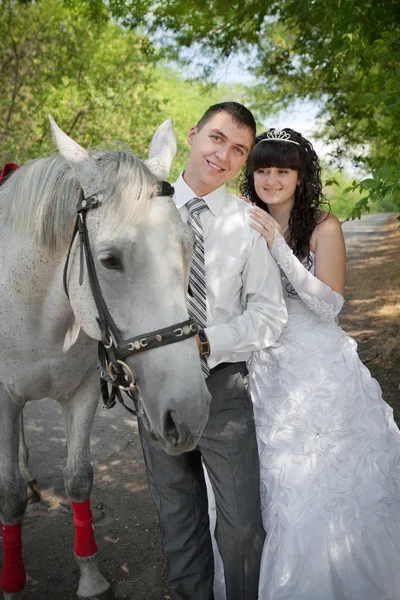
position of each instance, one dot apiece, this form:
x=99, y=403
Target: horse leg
x=78, y=414
x=34, y=493
x=12, y=498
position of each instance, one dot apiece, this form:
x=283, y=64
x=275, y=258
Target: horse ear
x=86, y=168
x=162, y=150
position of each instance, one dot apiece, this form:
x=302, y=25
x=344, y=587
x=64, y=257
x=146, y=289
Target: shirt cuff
x=221, y=344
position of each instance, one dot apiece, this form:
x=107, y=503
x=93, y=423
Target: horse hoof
x=34, y=493
x=90, y=589
x=92, y=581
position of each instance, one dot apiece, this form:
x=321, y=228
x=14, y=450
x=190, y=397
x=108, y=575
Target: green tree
x=94, y=76
x=344, y=53
x=100, y=80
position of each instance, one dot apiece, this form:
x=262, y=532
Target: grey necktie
x=197, y=299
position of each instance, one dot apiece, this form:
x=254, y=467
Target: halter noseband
x=112, y=350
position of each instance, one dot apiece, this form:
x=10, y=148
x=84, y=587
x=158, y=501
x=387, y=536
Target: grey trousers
x=229, y=449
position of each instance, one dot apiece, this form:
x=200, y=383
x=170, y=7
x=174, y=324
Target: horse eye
x=111, y=262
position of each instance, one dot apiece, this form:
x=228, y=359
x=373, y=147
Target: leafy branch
x=384, y=184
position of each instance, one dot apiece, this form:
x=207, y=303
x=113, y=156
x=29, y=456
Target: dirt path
x=126, y=523
x=127, y=535
x=372, y=311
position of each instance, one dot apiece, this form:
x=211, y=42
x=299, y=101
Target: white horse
x=140, y=253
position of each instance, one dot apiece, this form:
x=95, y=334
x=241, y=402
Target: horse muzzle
x=177, y=433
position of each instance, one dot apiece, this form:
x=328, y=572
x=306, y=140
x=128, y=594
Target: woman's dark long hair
x=300, y=157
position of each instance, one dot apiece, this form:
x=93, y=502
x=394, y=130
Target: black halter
x=112, y=350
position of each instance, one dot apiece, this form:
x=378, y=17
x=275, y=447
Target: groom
x=235, y=294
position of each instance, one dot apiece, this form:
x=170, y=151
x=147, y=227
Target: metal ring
x=110, y=371
x=132, y=386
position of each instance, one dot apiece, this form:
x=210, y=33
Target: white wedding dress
x=329, y=457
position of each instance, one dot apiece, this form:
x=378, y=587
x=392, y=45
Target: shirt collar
x=214, y=200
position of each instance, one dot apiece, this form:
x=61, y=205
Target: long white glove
x=319, y=297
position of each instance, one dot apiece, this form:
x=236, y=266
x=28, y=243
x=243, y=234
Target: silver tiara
x=278, y=135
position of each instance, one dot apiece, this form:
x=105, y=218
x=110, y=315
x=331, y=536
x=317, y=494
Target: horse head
x=141, y=253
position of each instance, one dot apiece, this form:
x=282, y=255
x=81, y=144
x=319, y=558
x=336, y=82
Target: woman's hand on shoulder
x=266, y=225
x=330, y=252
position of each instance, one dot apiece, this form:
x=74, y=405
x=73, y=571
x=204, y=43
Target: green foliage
x=90, y=64
x=345, y=54
x=94, y=77
x=335, y=184
x=343, y=195
x=382, y=189
x=102, y=82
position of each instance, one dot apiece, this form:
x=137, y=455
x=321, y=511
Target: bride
x=329, y=447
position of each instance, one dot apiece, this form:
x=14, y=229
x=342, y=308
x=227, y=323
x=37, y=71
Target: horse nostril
x=170, y=429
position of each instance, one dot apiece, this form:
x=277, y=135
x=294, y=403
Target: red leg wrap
x=13, y=576
x=84, y=532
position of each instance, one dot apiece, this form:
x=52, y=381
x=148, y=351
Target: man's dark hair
x=239, y=113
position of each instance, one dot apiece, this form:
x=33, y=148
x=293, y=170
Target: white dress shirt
x=245, y=306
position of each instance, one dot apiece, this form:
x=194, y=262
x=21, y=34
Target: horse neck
x=35, y=281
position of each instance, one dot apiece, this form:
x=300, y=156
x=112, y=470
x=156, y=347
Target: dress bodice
x=304, y=332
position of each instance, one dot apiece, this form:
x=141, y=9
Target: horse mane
x=39, y=199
